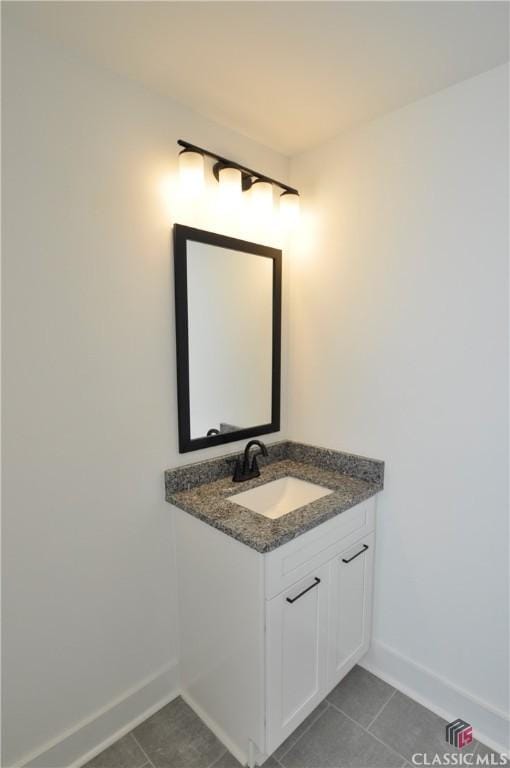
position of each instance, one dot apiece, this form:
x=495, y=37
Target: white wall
x=399, y=349
x=89, y=382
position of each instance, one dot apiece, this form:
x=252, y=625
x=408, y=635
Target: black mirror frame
x=182, y=235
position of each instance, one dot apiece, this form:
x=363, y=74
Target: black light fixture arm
x=247, y=172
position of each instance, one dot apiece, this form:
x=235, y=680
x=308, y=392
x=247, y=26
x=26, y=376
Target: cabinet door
x=350, y=607
x=296, y=638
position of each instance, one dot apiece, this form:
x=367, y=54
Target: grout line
x=142, y=749
x=399, y=754
x=379, y=712
x=225, y=752
x=278, y=760
x=377, y=737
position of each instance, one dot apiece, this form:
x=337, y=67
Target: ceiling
x=288, y=74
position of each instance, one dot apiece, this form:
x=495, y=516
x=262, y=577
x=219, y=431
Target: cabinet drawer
x=293, y=560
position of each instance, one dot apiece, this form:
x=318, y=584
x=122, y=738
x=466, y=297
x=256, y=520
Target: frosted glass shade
x=261, y=198
x=289, y=208
x=230, y=181
x=191, y=171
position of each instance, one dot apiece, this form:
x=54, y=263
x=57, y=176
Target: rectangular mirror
x=228, y=327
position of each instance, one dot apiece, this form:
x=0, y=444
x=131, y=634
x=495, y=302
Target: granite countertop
x=198, y=490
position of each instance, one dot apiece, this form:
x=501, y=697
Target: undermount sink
x=278, y=497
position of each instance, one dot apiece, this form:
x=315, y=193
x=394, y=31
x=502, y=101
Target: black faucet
x=244, y=470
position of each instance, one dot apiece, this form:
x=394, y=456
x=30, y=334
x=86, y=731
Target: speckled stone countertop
x=202, y=490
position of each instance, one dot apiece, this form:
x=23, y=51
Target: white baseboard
x=220, y=734
x=491, y=726
x=79, y=744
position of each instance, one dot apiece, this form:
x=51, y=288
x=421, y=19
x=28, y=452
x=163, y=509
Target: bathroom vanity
x=275, y=587
x=274, y=571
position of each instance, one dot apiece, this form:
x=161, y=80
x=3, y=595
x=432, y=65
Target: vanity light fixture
x=234, y=178
x=191, y=170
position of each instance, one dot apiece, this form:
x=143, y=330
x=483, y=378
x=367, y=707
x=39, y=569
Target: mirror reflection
x=230, y=313
x=231, y=335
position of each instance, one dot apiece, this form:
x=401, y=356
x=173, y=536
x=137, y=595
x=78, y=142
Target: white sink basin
x=278, y=497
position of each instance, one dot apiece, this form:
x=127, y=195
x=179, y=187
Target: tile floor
x=363, y=723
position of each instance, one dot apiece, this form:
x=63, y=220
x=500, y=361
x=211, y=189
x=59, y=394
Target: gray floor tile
x=175, y=737
x=288, y=743
x=335, y=741
x=361, y=695
x=125, y=753
x=408, y=727
x=229, y=761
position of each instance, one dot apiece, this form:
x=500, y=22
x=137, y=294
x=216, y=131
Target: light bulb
x=191, y=171
x=289, y=208
x=261, y=198
x=230, y=181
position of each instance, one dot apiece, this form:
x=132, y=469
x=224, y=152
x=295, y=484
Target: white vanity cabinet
x=297, y=654
x=351, y=574
x=265, y=637
x=319, y=626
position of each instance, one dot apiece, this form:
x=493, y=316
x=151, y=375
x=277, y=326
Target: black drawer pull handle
x=293, y=599
x=365, y=547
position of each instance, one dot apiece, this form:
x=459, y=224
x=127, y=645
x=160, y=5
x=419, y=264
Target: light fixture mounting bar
x=233, y=164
